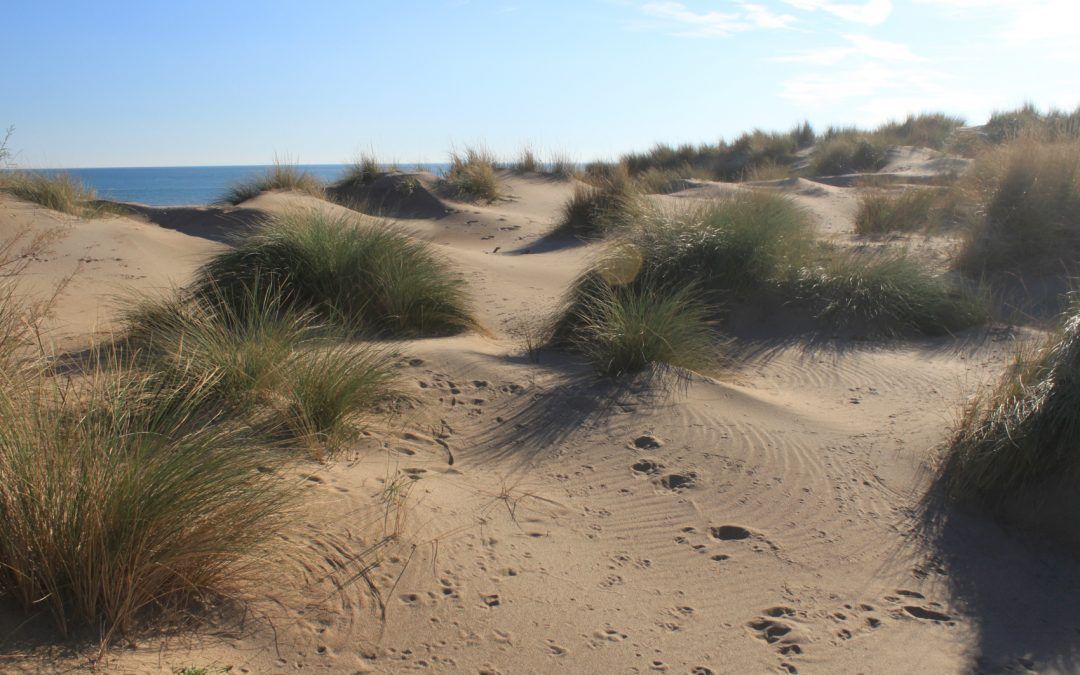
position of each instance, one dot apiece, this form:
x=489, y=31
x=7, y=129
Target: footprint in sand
x=647, y=467
x=646, y=442
x=729, y=532
x=679, y=481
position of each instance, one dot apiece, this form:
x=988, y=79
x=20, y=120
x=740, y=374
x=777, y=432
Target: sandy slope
x=760, y=521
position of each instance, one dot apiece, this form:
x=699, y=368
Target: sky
x=138, y=83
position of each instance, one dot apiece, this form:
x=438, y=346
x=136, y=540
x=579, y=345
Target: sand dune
x=759, y=521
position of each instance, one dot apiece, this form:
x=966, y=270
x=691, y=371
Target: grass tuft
x=281, y=176
x=600, y=206
x=1017, y=442
x=527, y=162
x=888, y=294
x=622, y=329
x=1028, y=195
x=57, y=191
x=471, y=176
x=370, y=278
x=844, y=153
x=885, y=212
x=124, y=497
x=362, y=172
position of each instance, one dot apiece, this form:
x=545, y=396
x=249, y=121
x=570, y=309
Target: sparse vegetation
x=369, y=278
x=1028, y=122
x=281, y=176
x=527, y=162
x=927, y=130
x=471, y=176
x=562, y=166
x=1016, y=443
x=55, y=190
x=1027, y=196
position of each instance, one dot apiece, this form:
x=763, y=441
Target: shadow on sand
x=1021, y=590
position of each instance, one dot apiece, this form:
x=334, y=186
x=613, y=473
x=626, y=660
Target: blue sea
x=187, y=185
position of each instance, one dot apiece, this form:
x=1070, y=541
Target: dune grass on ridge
x=281, y=176
x=472, y=176
x=57, y=191
x=370, y=278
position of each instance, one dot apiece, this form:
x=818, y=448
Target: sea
x=189, y=185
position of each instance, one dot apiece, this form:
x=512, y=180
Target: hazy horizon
x=130, y=85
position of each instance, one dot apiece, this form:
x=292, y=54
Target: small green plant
x=281, y=176
x=884, y=212
x=471, y=176
x=367, y=278
x=57, y=191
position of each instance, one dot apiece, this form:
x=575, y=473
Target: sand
x=759, y=520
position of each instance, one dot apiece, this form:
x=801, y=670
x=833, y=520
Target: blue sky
x=223, y=82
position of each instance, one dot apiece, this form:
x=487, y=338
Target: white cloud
x=683, y=21
x=871, y=12
x=1021, y=21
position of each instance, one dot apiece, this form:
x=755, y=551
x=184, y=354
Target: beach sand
x=759, y=519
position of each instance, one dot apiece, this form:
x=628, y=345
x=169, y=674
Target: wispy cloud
x=678, y=19
x=871, y=12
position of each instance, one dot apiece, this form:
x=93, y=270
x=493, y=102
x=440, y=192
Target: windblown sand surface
x=759, y=520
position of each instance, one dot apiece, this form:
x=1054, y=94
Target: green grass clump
x=370, y=278
x=1028, y=195
x=281, y=176
x=885, y=212
x=127, y=496
x=327, y=388
x=623, y=329
x=269, y=364
x=599, y=206
x=889, y=294
x=472, y=177
x=57, y=191
x=731, y=246
x=843, y=153
x=1019, y=440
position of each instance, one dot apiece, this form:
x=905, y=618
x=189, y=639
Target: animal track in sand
x=769, y=630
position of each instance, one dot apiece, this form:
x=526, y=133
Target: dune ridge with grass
x=772, y=404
